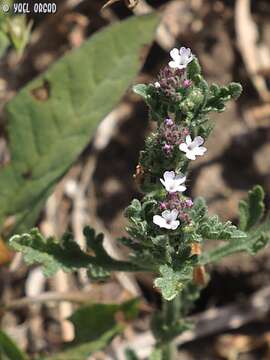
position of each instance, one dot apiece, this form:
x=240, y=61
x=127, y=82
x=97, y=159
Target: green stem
x=171, y=311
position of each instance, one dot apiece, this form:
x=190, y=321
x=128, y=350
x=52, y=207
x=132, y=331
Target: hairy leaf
x=199, y=210
x=171, y=282
x=256, y=240
x=251, y=211
x=53, y=118
x=212, y=228
x=66, y=253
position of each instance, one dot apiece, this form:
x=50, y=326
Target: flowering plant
x=167, y=230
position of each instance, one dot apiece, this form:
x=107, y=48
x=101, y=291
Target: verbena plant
x=167, y=230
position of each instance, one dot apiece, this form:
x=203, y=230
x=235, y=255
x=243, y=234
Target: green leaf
x=156, y=354
x=199, y=210
x=95, y=326
x=194, y=69
x=252, y=210
x=256, y=240
x=130, y=355
x=9, y=350
x=82, y=351
x=66, y=253
x=141, y=89
x=4, y=43
x=235, y=89
x=53, y=118
x=91, y=321
x=171, y=282
x=212, y=228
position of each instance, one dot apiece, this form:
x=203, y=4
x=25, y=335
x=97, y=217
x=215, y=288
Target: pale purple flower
x=172, y=182
x=181, y=58
x=167, y=219
x=193, y=148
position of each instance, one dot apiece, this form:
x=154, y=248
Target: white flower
x=157, y=85
x=181, y=58
x=193, y=148
x=172, y=182
x=167, y=219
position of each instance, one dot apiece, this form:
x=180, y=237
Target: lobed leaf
x=213, y=229
x=66, y=254
x=256, y=240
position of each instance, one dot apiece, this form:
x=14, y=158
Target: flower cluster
x=173, y=78
x=171, y=135
x=174, y=207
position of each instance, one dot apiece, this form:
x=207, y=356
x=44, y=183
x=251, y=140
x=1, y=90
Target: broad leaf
x=95, y=326
x=91, y=321
x=9, y=350
x=53, y=118
x=82, y=351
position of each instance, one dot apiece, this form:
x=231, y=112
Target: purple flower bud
x=187, y=83
x=162, y=206
x=168, y=122
x=167, y=148
x=189, y=203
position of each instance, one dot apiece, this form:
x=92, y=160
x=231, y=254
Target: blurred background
x=232, y=41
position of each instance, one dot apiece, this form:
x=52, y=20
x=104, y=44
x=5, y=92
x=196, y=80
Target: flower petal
x=199, y=150
x=180, y=179
x=185, y=51
x=166, y=214
x=169, y=175
x=190, y=155
x=198, y=141
x=163, y=182
x=183, y=147
x=173, y=64
x=174, y=214
x=181, y=188
x=175, y=224
x=174, y=53
x=158, y=220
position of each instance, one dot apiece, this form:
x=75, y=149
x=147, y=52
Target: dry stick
x=74, y=297
x=105, y=132
x=60, y=279
x=210, y=322
x=255, y=55
x=166, y=35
